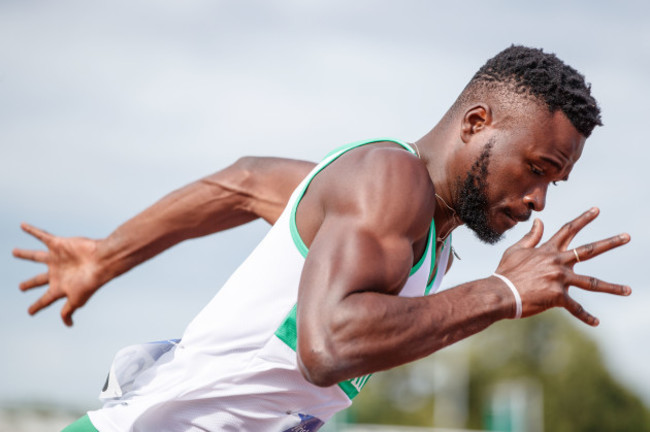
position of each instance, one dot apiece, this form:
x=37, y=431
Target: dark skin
x=77, y=267
x=372, y=205
x=361, y=210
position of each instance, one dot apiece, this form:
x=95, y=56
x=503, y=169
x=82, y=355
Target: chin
x=488, y=226
x=487, y=233
x=500, y=221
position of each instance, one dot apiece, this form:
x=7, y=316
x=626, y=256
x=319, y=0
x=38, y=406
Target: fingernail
x=624, y=237
x=593, y=210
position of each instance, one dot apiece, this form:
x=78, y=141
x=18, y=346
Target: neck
x=437, y=155
x=445, y=218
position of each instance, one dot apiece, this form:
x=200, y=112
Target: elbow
x=235, y=182
x=244, y=169
x=317, y=366
x=236, y=178
x=245, y=163
x=328, y=353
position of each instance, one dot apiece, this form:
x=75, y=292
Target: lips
x=514, y=219
x=521, y=217
x=510, y=220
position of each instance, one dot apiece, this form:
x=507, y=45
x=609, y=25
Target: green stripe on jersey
x=81, y=425
x=288, y=333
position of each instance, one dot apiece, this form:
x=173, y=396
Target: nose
x=535, y=199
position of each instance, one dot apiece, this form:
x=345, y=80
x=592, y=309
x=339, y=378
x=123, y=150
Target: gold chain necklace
x=453, y=216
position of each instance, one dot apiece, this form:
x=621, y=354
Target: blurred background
x=107, y=106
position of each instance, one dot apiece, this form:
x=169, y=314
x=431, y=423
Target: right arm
x=77, y=267
x=350, y=323
x=350, y=319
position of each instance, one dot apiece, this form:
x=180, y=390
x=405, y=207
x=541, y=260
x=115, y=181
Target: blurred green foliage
x=579, y=393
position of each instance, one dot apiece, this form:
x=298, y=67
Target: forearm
x=249, y=189
x=372, y=331
x=200, y=208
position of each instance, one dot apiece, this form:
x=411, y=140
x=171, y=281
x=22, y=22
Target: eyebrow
x=553, y=162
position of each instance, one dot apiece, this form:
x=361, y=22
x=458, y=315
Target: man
x=338, y=288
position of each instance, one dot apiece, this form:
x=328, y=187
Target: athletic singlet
x=235, y=368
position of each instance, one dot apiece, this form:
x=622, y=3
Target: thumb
x=532, y=238
x=66, y=313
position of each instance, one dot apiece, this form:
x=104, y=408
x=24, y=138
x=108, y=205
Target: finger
x=532, y=237
x=36, y=281
x=46, y=299
x=66, y=313
x=590, y=250
x=564, y=236
x=43, y=236
x=590, y=283
x=579, y=312
x=31, y=255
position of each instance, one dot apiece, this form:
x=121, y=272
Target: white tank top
x=235, y=368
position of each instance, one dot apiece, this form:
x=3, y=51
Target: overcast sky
x=107, y=106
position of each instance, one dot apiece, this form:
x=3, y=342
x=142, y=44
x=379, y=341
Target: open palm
x=72, y=271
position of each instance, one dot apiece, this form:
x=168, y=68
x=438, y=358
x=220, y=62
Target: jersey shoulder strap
x=329, y=158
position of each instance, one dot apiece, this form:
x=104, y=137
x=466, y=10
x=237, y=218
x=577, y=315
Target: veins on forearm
x=405, y=330
x=198, y=209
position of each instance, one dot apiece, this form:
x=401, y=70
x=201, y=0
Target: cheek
x=501, y=179
x=507, y=182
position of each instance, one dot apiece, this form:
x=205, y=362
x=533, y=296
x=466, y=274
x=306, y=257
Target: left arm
x=78, y=266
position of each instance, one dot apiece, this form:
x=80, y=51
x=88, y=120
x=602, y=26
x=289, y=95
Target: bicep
x=361, y=225
x=345, y=259
x=364, y=242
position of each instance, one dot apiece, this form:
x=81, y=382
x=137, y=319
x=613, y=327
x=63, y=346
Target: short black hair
x=547, y=78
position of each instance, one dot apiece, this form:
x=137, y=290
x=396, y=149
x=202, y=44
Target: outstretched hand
x=72, y=271
x=543, y=274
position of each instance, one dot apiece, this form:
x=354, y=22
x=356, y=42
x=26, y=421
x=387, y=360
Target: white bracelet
x=514, y=293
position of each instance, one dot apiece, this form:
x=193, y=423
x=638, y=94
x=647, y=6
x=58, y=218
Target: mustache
x=520, y=217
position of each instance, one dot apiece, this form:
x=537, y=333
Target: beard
x=472, y=203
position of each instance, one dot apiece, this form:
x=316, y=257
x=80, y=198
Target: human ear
x=475, y=120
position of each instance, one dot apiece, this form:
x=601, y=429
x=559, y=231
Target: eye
x=536, y=170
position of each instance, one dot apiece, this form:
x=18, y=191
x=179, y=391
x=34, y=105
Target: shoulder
x=385, y=186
